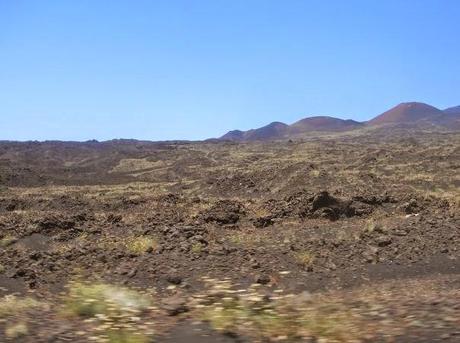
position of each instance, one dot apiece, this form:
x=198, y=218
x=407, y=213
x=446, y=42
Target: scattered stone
x=35, y=256
x=175, y=305
x=321, y=200
x=383, y=241
x=370, y=255
x=263, y=222
x=254, y=264
x=132, y=273
x=174, y=279
x=263, y=279
x=411, y=206
x=224, y=212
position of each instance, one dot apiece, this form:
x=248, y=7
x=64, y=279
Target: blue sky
x=78, y=70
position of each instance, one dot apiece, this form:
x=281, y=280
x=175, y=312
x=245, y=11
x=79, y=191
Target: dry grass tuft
x=251, y=239
x=16, y=331
x=7, y=240
x=115, y=311
x=282, y=318
x=304, y=258
x=89, y=300
x=139, y=245
x=11, y=305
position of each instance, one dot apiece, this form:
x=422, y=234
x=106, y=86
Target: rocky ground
x=333, y=239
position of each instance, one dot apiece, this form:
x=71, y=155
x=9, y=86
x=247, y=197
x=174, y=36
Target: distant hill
x=452, y=110
x=404, y=115
x=408, y=112
x=270, y=131
x=323, y=123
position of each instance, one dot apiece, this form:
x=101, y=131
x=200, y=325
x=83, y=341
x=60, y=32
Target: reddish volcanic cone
x=408, y=112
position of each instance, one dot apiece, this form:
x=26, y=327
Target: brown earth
x=369, y=222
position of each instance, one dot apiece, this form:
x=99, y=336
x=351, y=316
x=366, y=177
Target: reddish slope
x=273, y=130
x=408, y=112
x=323, y=123
x=405, y=115
x=277, y=130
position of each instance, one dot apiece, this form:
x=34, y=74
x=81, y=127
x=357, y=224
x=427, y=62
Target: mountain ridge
x=404, y=114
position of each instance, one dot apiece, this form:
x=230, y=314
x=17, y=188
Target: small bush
x=89, y=300
x=11, y=305
x=140, y=245
x=7, y=240
x=304, y=258
x=283, y=318
x=197, y=248
x=116, y=311
x=251, y=239
x=126, y=336
x=16, y=331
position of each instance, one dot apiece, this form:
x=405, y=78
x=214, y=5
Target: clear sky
x=193, y=69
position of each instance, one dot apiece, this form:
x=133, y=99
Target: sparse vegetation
x=132, y=244
x=248, y=212
x=7, y=240
x=115, y=309
x=283, y=318
x=140, y=245
x=91, y=299
x=251, y=239
x=304, y=258
x=197, y=248
x=11, y=305
x=16, y=330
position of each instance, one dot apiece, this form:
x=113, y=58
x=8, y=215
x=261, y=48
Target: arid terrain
x=341, y=237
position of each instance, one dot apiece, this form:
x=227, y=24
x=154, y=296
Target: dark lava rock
x=114, y=218
x=411, y=207
x=323, y=199
x=132, y=273
x=52, y=223
x=324, y=205
x=383, y=241
x=174, y=279
x=359, y=209
x=35, y=256
x=262, y=222
x=328, y=213
x=224, y=212
x=263, y=279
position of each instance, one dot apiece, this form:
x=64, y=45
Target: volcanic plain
x=341, y=237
